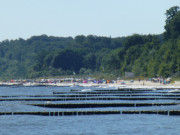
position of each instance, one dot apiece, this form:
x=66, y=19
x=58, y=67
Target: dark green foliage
x=172, y=26
x=68, y=60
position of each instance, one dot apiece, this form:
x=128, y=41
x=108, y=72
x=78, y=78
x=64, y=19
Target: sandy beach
x=149, y=83
x=126, y=83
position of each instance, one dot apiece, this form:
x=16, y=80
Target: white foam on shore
x=175, y=91
x=86, y=90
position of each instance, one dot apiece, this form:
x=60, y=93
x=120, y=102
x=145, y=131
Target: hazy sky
x=115, y=18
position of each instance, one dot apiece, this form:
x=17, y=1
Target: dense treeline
x=145, y=55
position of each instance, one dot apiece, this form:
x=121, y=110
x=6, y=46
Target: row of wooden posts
x=67, y=113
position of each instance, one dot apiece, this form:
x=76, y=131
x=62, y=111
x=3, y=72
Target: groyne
x=137, y=99
x=78, y=113
x=93, y=105
x=93, y=95
x=86, y=98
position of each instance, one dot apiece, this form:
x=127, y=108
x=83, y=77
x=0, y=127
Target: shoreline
x=127, y=84
x=149, y=83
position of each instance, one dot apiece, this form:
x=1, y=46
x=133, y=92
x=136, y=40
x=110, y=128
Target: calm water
x=142, y=124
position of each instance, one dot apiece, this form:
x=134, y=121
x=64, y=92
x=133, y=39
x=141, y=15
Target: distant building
x=129, y=74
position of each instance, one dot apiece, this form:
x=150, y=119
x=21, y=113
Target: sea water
x=90, y=125
x=126, y=124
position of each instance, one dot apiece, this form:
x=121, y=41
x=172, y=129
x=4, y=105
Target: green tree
x=172, y=26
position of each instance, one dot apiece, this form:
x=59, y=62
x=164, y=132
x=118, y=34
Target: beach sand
x=149, y=83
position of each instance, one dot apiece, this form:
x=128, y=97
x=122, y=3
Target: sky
x=64, y=18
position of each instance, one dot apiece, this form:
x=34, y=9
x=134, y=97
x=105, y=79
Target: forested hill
x=145, y=55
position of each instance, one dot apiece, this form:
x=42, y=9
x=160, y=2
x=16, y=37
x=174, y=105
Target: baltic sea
x=111, y=124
